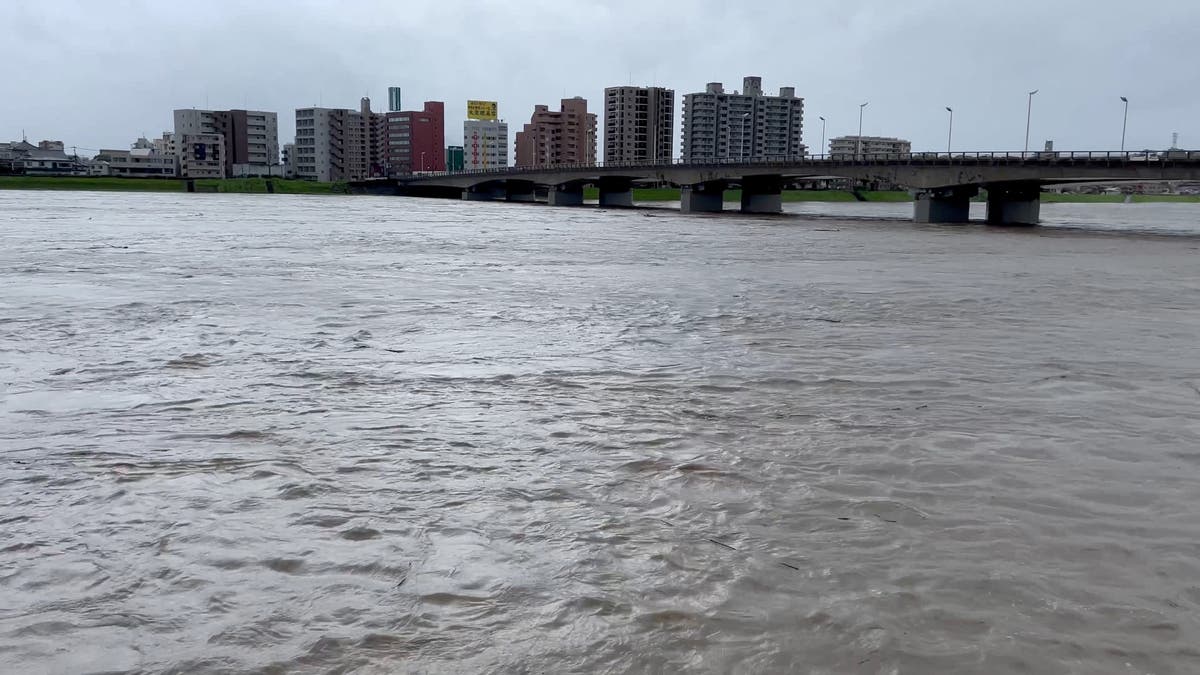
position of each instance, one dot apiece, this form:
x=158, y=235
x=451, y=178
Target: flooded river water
x=276, y=434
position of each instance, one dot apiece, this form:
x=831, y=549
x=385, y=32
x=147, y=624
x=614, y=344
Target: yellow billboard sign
x=481, y=110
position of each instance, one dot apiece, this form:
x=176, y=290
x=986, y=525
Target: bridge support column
x=762, y=195
x=703, y=198
x=945, y=205
x=564, y=195
x=616, y=192
x=519, y=191
x=1014, y=204
x=482, y=194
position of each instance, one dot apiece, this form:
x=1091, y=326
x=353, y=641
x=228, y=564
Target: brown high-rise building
x=551, y=138
x=637, y=124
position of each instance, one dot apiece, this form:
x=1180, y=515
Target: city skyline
x=911, y=62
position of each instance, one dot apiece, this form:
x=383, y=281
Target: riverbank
x=222, y=185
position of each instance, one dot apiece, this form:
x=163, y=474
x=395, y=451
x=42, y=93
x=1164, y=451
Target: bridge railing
x=1039, y=157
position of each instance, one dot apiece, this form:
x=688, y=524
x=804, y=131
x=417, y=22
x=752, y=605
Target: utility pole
x=1124, y=122
x=860, y=116
x=950, y=133
x=1028, y=116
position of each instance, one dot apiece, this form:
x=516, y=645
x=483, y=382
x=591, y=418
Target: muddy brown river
x=289, y=434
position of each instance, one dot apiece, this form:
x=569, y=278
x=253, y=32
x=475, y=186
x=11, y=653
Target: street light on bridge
x=821, y=150
x=860, y=115
x=1028, y=114
x=950, y=132
x=1124, y=122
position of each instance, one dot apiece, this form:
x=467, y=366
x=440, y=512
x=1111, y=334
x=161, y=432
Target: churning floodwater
x=277, y=434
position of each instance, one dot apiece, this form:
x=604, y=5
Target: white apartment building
x=485, y=144
x=638, y=124
x=200, y=155
x=847, y=147
x=742, y=127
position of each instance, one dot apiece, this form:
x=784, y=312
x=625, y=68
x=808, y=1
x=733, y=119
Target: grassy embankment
x=115, y=184
x=672, y=195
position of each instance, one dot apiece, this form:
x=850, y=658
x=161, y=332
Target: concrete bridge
x=943, y=184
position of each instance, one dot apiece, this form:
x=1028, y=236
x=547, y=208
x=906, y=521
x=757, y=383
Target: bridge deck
x=834, y=165
x=943, y=183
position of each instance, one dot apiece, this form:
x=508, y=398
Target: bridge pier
x=702, y=198
x=944, y=205
x=615, y=192
x=1018, y=204
x=762, y=194
x=565, y=195
x=484, y=193
x=519, y=191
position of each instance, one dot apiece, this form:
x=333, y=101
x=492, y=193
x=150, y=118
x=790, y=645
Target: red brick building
x=415, y=140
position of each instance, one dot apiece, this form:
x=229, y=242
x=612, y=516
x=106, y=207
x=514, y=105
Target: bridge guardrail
x=1039, y=157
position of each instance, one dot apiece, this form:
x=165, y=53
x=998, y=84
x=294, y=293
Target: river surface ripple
x=274, y=434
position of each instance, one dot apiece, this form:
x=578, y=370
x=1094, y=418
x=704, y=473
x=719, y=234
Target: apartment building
x=414, y=141
x=742, y=126
x=200, y=155
x=847, y=147
x=638, y=124
x=485, y=144
x=339, y=144
x=566, y=136
x=251, y=137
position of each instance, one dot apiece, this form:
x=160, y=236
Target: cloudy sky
x=100, y=73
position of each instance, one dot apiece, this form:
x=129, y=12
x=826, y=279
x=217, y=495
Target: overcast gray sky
x=99, y=73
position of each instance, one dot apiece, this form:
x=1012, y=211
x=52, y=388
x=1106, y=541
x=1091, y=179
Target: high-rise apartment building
x=847, y=147
x=485, y=144
x=336, y=144
x=745, y=126
x=551, y=138
x=251, y=136
x=415, y=140
x=638, y=123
